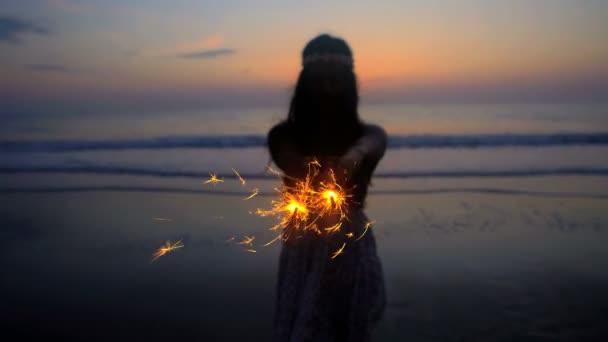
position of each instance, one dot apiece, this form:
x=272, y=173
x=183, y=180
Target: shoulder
x=375, y=131
x=277, y=133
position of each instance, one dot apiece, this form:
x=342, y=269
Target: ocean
x=426, y=141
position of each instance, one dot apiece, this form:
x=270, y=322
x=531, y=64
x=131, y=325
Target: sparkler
x=306, y=203
x=166, y=248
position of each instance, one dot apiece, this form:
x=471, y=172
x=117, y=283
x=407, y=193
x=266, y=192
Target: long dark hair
x=323, y=116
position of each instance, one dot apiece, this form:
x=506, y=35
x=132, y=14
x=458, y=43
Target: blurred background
x=491, y=201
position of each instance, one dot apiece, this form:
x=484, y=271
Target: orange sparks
x=334, y=196
x=330, y=196
x=349, y=235
x=166, y=248
x=247, y=241
x=254, y=192
x=251, y=250
x=314, y=162
x=273, y=240
x=367, y=225
x=334, y=228
x=295, y=206
x=339, y=251
x=213, y=179
x=275, y=171
x=307, y=201
x=240, y=178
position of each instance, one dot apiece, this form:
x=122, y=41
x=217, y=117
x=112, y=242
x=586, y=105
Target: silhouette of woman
x=319, y=298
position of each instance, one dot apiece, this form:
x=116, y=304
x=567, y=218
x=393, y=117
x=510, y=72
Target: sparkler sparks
x=166, y=248
x=273, y=240
x=334, y=228
x=339, y=251
x=319, y=203
x=367, y=225
x=314, y=162
x=243, y=181
x=254, y=192
x=213, y=179
x=247, y=241
x=308, y=202
x=275, y=172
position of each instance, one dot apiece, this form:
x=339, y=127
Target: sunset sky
x=129, y=53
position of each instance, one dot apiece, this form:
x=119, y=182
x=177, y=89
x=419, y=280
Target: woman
x=320, y=298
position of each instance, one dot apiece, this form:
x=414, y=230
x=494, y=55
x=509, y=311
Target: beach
x=462, y=266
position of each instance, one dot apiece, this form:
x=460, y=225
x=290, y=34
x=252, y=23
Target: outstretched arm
x=368, y=149
x=284, y=152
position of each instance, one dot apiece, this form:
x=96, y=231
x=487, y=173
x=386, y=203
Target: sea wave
x=154, y=189
x=251, y=141
x=176, y=173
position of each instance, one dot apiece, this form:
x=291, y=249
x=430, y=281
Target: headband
x=327, y=57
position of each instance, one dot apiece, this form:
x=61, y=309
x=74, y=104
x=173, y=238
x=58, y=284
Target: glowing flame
x=294, y=207
x=166, y=248
x=330, y=196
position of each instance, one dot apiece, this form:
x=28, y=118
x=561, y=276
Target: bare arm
x=366, y=151
x=284, y=152
x=369, y=148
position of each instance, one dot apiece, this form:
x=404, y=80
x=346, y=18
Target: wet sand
x=458, y=267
